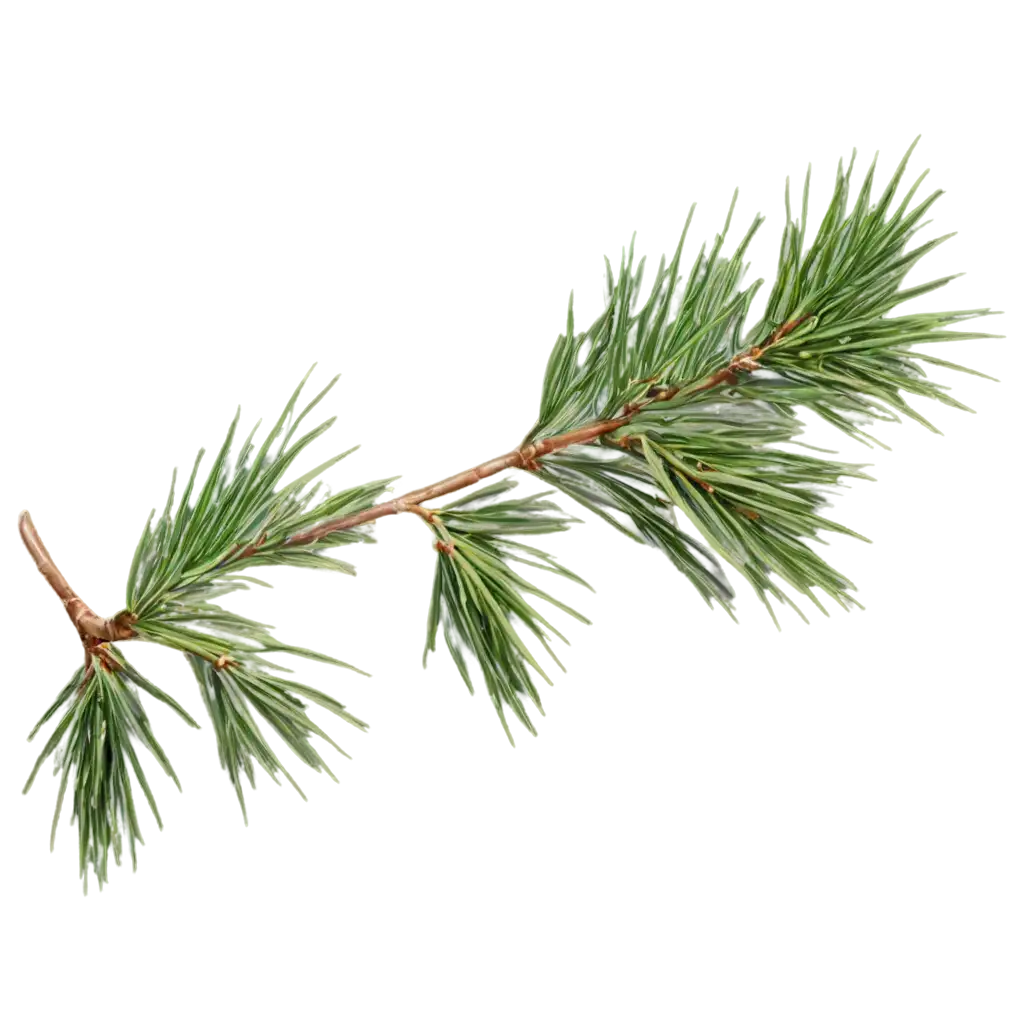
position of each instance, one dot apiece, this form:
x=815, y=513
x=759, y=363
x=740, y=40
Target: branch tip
x=85, y=620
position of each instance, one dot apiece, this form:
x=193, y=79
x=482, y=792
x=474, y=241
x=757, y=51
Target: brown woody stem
x=86, y=621
x=94, y=629
x=526, y=457
x=522, y=458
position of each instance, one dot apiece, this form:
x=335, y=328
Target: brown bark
x=526, y=457
x=94, y=629
x=85, y=620
x=522, y=458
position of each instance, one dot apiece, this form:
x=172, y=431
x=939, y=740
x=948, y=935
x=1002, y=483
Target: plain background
x=192, y=202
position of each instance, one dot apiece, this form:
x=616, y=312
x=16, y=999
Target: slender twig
x=85, y=620
x=526, y=457
x=91, y=625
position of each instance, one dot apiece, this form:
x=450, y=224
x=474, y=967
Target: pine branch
x=657, y=408
x=118, y=628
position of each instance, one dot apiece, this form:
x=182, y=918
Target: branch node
x=787, y=328
x=702, y=468
x=254, y=546
x=428, y=515
x=528, y=458
x=625, y=441
x=105, y=658
x=747, y=363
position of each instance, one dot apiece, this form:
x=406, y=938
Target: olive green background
x=194, y=203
